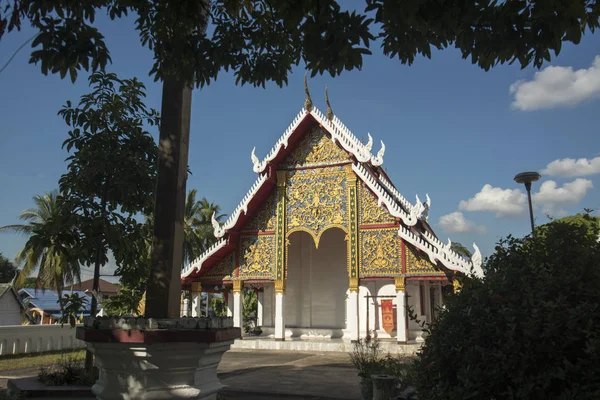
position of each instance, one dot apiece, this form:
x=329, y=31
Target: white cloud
x=569, y=167
x=557, y=86
x=457, y=223
x=503, y=202
x=550, y=196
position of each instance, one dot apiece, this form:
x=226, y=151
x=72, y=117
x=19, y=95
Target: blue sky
x=449, y=127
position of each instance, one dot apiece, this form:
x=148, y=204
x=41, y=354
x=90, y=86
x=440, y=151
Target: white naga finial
x=378, y=160
x=215, y=223
x=476, y=260
x=369, y=144
x=428, y=200
x=255, y=159
x=449, y=245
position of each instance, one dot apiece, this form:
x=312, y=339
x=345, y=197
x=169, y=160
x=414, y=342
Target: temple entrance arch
x=316, y=283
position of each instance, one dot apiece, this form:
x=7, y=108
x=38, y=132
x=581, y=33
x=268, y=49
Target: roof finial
x=329, y=113
x=308, y=104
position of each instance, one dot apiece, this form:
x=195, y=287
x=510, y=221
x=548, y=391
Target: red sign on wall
x=387, y=315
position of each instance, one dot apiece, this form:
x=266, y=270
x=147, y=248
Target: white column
x=184, y=310
x=230, y=304
x=279, y=318
x=401, y=314
x=260, y=296
x=352, y=314
x=237, y=307
x=427, y=302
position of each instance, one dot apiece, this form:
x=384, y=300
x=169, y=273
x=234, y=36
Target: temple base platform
x=320, y=345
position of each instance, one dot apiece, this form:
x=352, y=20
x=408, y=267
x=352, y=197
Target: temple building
x=332, y=247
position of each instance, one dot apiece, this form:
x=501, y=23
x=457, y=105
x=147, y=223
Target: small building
x=12, y=309
x=105, y=289
x=332, y=247
x=44, y=306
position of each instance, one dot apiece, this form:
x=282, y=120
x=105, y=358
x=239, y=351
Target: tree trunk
x=164, y=286
x=89, y=357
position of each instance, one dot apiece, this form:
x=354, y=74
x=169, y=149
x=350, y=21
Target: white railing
x=18, y=339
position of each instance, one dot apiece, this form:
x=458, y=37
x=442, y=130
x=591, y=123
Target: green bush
x=68, y=371
x=530, y=330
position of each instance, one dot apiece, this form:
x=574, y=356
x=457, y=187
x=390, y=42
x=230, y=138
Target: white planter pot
x=158, y=364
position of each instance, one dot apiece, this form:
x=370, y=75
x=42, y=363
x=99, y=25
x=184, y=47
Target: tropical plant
x=126, y=302
x=8, y=270
x=111, y=170
x=217, y=304
x=249, y=309
x=72, y=306
x=51, y=244
x=529, y=330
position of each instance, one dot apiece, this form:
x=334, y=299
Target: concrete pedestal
x=176, y=362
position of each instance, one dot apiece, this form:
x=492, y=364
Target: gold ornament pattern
x=419, y=264
x=223, y=268
x=316, y=148
x=352, y=261
x=257, y=256
x=370, y=211
x=280, y=245
x=264, y=220
x=380, y=252
x=316, y=200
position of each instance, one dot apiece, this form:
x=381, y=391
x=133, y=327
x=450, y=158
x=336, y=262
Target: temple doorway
x=317, y=281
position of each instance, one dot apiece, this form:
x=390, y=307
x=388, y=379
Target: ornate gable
x=223, y=269
x=316, y=200
x=264, y=219
x=257, y=257
x=371, y=212
x=316, y=148
x=314, y=193
x=380, y=252
x=418, y=264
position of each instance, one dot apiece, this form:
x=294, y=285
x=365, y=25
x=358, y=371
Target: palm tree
x=198, y=233
x=50, y=245
x=204, y=226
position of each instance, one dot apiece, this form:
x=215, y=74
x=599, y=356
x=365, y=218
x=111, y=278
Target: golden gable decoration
x=257, y=256
x=316, y=148
x=264, y=220
x=419, y=264
x=316, y=200
x=223, y=269
x=380, y=252
x=370, y=212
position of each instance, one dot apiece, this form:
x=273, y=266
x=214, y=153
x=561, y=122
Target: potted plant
x=365, y=357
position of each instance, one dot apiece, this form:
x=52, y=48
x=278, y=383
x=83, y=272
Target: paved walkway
x=260, y=374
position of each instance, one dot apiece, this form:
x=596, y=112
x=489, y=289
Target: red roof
x=103, y=286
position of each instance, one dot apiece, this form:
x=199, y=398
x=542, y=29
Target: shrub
x=367, y=358
x=68, y=371
x=530, y=330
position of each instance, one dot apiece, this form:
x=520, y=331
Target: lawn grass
x=32, y=360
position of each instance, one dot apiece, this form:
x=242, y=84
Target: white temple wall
x=317, y=281
x=379, y=288
x=414, y=301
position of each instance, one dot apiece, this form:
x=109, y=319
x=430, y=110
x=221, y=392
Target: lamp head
x=527, y=177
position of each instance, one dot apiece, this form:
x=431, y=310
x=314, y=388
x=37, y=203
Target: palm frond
x=17, y=228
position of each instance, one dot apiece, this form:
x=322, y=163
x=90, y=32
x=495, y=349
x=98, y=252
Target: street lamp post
x=528, y=178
